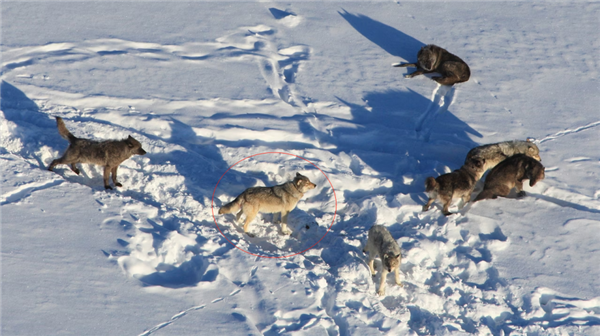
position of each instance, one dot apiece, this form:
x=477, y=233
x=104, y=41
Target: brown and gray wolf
x=510, y=174
x=280, y=199
x=457, y=184
x=381, y=243
x=109, y=153
x=432, y=58
x=498, y=152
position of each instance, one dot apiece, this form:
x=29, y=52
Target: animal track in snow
x=441, y=99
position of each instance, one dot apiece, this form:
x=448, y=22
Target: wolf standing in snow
x=457, y=184
x=432, y=58
x=109, y=153
x=498, y=152
x=381, y=243
x=277, y=199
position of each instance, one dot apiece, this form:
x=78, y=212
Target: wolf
x=432, y=58
x=509, y=174
x=457, y=184
x=381, y=243
x=498, y=152
x=280, y=199
x=109, y=153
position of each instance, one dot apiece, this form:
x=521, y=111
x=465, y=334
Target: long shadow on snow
x=388, y=38
x=200, y=165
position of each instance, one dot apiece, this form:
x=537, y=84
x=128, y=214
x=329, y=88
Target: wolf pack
x=509, y=164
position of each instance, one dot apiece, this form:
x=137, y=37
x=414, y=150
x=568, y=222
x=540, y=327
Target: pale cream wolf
x=381, y=243
x=498, y=152
x=432, y=58
x=457, y=184
x=109, y=153
x=277, y=199
x=510, y=174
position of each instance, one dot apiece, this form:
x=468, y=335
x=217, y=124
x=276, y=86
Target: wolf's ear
x=298, y=175
x=397, y=256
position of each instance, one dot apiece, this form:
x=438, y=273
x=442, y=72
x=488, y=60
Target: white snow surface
x=204, y=85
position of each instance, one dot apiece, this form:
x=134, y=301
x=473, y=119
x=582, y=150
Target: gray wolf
x=432, y=58
x=109, y=153
x=277, y=199
x=381, y=243
x=498, y=152
x=457, y=184
x=510, y=174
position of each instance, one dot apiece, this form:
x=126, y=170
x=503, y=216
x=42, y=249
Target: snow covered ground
x=205, y=85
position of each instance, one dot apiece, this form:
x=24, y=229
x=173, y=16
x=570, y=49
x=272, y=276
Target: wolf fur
x=498, y=152
x=277, y=199
x=381, y=243
x=432, y=58
x=109, y=153
x=510, y=174
x=457, y=184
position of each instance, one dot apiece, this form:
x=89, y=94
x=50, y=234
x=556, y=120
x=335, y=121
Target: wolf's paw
x=286, y=231
x=381, y=292
x=425, y=207
x=118, y=184
x=399, y=283
x=107, y=187
x=251, y=235
x=521, y=194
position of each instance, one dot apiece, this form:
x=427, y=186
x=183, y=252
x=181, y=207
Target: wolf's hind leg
x=106, y=176
x=75, y=169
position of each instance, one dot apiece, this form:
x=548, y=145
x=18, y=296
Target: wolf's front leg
x=398, y=282
x=284, y=227
x=114, y=177
x=429, y=202
x=371, y=261
x=384, y=273
x=416, y=73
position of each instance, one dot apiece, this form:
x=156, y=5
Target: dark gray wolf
x=432, y=58
x=498, y=152
x=509, y=174
x=277, y=199
x=457, y=184
x=109, y=153
x=381, y=243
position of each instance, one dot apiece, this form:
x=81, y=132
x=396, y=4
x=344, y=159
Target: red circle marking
x=263, y=256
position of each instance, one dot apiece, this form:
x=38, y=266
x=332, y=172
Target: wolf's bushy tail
x=430, y=184
x=231, y=207
x=63, y=131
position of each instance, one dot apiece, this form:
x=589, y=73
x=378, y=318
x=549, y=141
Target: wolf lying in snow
x=109, y=153
x=277, y=199
x=432, y=58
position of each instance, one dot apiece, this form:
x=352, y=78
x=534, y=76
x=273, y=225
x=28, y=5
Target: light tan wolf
x=277, y=199
x=109, y=153
x=457, y=184
x=432, y=58
x=510, y=174
x=381, y=243
x=498, y=152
